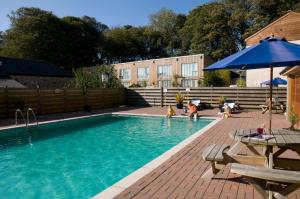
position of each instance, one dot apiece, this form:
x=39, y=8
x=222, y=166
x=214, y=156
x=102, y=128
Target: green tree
x=39, y=34
x=168, y=24
x=206, y=30
x=217, y=78
x=249, y=16
x=130, y=43
x=91, y=77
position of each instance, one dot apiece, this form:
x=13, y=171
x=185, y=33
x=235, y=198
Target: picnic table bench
x=280, y=181
x=274, y=144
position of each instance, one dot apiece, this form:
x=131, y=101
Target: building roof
x=160, y=59
x=294, y=71
x=287, y=26
x=14, y=66
x=10, y=83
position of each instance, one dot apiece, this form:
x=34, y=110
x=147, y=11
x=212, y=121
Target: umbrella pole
x=271, y=96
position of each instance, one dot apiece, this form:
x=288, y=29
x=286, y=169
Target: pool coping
x=115, y=189
x=52, y=121
x=121, y=185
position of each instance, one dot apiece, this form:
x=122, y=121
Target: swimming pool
x=79, y=158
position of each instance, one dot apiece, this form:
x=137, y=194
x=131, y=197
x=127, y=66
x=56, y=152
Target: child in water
x=170, y=112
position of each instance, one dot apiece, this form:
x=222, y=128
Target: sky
x=110, y=12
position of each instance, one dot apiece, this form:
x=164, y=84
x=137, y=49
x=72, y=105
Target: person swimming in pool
x=170, y=112
x=192, y=109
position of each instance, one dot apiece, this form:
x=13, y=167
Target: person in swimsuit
x=170, y=112
x=192, y=109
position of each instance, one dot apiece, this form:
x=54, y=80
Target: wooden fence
x=44, y=101
x=248, y=98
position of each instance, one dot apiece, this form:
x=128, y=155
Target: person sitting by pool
x=170, y=112
x=192, y=109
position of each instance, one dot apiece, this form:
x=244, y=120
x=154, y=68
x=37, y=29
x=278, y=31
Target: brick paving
x=180, y=176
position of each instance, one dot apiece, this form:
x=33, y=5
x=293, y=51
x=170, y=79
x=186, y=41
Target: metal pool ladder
x=29, y=110
x=22, y=115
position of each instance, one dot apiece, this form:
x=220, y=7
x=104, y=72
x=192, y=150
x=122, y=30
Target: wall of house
x=43, y=82
x=293, y=95
x=256, y=76
x=153, y=64
x=288, y=26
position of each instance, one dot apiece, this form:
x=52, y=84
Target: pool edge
x=124, y=183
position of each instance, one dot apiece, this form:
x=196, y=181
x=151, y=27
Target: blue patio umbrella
x=276, y=81
x=268, y=53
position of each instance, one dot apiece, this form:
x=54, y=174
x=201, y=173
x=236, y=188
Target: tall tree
x=206, y=30
x=38, y=34
x=168, y=24
x=130, y=43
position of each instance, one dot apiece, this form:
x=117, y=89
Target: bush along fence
x=45, y=101
x=248, y=98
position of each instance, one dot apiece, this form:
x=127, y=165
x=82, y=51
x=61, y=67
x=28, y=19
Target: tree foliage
x=168, y=24
x=91, y=77
x=39, y=34
x=217, y=78
x=217, y=29
x=207, y=30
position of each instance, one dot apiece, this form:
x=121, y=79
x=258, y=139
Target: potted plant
x=179, y=99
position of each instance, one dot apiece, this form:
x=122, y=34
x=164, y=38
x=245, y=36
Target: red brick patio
x=179, y=177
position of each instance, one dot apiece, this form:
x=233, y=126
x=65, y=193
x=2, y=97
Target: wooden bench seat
x=215, y=152
x=269, y=183
x=268, y=174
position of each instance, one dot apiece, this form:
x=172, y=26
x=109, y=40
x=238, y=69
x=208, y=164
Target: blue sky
x=110, y=12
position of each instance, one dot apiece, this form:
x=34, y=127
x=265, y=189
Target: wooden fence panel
x=248, y=98
x=47, y=101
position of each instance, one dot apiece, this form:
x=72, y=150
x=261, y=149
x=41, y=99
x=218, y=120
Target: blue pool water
x=79, y=158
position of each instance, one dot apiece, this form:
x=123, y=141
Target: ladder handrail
x=30, y=110
x=22, y=115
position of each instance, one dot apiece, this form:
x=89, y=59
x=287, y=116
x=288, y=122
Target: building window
x=125, y=74
x=164, y=83
x=189, y=83
x=164, y=71
x=143, y=73
x=126, y=84
x=189, y=70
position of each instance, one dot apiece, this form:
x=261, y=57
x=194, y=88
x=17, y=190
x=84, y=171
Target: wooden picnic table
x=274, y=144
x=280, y=140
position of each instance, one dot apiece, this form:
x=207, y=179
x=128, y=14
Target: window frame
x=168, y=72
x=145, y=68
x=194, y=64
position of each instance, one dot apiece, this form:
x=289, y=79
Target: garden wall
x=248, y=98
x=50, y=101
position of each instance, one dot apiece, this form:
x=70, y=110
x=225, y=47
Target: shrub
x=90, y=77
x=217, y=78
x=134, y=85
x=293, y=118
x=179, y=98
x=175, y=82
x=241, y=83
x=144, y=84
x=222, y=100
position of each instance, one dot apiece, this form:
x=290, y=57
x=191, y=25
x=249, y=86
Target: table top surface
x=278, y=137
